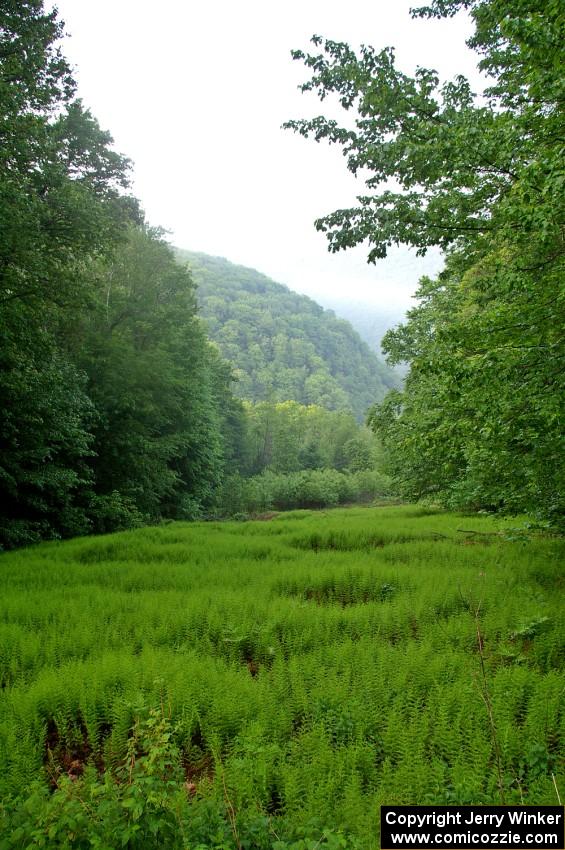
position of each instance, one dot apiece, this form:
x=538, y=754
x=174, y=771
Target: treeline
x=478, y=423
x=114, y=408
x=283, y=345
x=298, y=456
x=287, y=437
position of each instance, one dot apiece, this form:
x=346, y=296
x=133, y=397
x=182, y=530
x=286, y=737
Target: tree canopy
x=478, y=423
x=114, y=408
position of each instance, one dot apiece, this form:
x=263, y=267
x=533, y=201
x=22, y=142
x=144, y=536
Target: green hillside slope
x=370, y=322
x=283, y=345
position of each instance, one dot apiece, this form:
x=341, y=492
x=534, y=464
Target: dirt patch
x=198, y=771
x=253, y=667
x=66, y=756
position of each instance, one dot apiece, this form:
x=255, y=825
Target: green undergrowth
x=240, y=684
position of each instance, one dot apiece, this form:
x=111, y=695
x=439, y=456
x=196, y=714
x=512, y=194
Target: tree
x=288, y=437
x=166, y=419
x=114, y=408
x=60, y=180
x=478, y=420
x=465, y=170
x=60, y=205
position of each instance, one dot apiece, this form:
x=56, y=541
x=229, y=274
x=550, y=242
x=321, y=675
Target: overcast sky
x=195, y=94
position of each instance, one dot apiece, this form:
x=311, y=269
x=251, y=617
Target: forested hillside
x=283, y=346
x=370, y=322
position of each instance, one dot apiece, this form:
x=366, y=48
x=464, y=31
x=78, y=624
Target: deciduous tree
x=482, y=178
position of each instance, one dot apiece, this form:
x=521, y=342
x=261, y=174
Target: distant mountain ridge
x=370, y=322
x=283, y=345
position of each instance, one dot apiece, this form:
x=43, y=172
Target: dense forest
x=283, y=346
x=294, y=455
x=115, y=409
x=479, y=421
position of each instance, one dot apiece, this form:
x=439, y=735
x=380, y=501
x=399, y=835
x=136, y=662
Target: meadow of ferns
x=309, y=668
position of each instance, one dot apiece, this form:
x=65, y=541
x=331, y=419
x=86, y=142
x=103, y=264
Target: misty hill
x=369, y=321
x=283, y=345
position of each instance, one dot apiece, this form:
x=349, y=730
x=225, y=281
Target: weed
x=306, y=684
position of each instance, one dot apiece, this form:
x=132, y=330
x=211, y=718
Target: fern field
x=309, y=668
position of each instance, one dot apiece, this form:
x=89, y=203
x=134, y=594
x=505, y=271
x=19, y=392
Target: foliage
x=136, y=805
x=243, y=638
x=478, y=421
x=114, y=409
x=298, y=456
x=158, y=386
x=307, y=488
x=283, y=346
x=55, y=174
x=44, y=433
x=288, y=436
x=59, y=203
x=144, y=803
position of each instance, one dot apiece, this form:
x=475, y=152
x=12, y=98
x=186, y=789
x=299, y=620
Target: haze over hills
x=284, y=345
x=374, y=298
x=370, y=321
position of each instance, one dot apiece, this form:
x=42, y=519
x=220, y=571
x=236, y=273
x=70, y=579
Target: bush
x=138, y=806
x=146, y=804
x=309, y=488
x=114, y=512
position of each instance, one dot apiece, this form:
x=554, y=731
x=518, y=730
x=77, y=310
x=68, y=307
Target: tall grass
x=328, y=660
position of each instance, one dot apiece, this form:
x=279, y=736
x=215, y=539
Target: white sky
x=195, y=94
